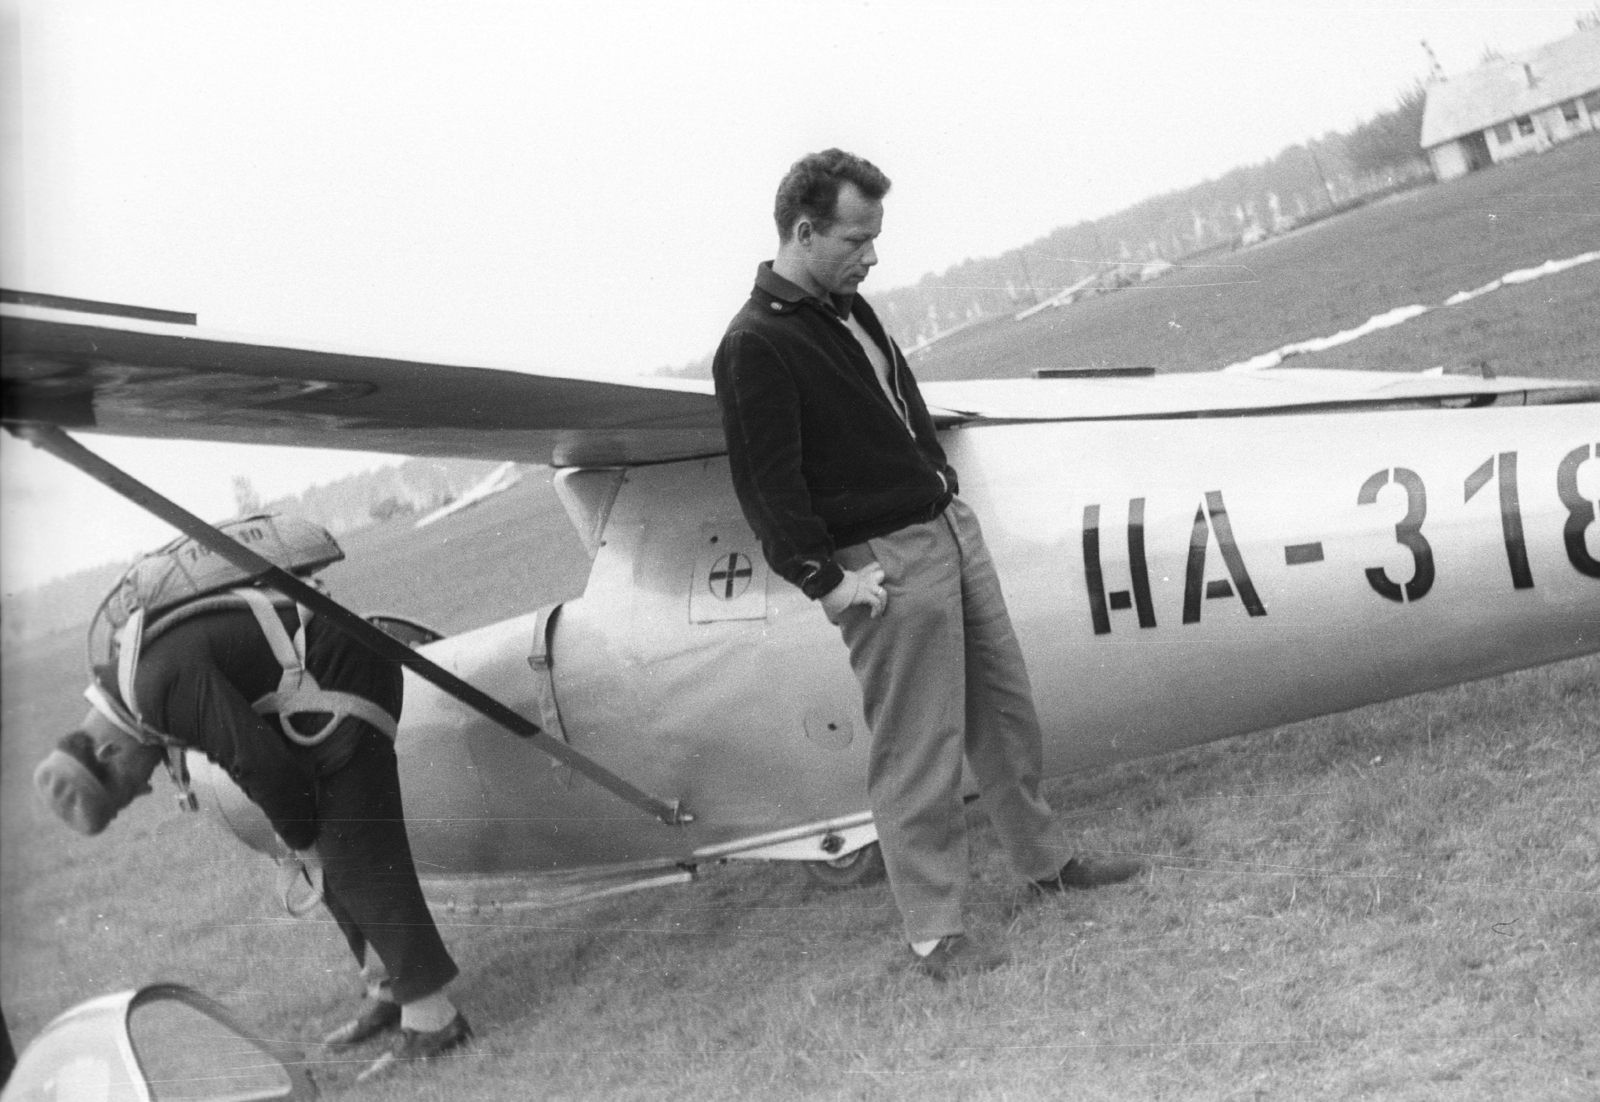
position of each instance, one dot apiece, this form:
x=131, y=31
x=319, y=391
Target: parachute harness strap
x=129, y=642
x=301, y=886
x=298, y=692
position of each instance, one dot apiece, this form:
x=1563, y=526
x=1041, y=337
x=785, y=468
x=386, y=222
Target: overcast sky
x=588, y=187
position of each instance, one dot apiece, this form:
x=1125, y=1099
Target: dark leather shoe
x=959, y=955
x=1082, y=873
x=414, y=1045
x=375, y=1018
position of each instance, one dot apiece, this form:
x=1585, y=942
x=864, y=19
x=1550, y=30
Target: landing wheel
x=853, y=870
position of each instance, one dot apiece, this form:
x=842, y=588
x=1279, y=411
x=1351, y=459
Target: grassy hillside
x=1399, y=902
x=400, y=493
x=1420, y=247
x=504, y=556
x=61, y=605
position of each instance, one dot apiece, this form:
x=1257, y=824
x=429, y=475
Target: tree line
x=1301, y=184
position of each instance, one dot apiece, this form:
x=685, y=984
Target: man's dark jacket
x=819, y=455
x=197, y=681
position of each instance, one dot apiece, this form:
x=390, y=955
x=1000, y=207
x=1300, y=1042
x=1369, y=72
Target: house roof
x=1519, y=85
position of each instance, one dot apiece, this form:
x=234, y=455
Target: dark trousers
x=370, y=880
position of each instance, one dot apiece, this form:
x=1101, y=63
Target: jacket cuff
x=821, y=579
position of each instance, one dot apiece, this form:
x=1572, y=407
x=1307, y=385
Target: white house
x=1515, y=105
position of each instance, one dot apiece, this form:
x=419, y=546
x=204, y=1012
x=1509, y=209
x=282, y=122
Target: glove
x=859, y=587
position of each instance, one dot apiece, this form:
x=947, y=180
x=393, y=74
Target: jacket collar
x=784, y=297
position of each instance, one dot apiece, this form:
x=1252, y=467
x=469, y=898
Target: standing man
x=227, y=676
x=839, y=472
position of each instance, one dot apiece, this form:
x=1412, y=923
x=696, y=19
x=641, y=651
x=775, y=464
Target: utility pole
x=1435, y=70
x=1311, y=148
x=1027, y=277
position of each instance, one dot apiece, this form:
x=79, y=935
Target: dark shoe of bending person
x=376, y=1018
x=416, y=1045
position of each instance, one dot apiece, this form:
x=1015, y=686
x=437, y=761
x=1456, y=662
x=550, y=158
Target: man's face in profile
x=840, y=258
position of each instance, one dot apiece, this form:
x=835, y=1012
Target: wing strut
x=53, y=440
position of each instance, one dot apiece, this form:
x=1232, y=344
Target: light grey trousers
x=942, y=677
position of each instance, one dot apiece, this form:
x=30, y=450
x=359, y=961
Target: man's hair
x=810, y=189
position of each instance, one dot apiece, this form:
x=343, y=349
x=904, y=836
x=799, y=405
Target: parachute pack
x=186, y=579
x=185, y=569
x=158, y=586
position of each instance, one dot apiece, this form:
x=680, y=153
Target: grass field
x=1418, y=247
x=1401, y=902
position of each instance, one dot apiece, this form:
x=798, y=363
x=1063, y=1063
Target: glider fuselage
x=1172, y=582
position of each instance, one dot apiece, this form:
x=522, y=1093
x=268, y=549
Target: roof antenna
x=1435, y=70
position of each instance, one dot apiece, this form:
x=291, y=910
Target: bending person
x=326, y=779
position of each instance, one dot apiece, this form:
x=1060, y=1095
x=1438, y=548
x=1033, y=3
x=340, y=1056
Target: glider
x=1187, y=557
